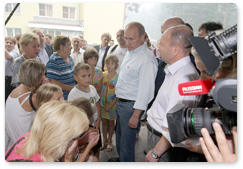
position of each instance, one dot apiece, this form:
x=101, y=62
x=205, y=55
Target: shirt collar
x=103, y=47
x=76, y=52
x=172, y=69
x=138, y=48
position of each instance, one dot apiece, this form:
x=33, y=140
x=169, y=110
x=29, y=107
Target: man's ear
x=143, y=36
x=176, y=50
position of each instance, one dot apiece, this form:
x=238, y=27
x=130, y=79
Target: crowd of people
x=58, y=94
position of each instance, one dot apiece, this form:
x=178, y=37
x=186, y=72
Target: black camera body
x=186, y=122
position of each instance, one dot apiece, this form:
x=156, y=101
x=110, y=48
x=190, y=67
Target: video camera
x=185, y=122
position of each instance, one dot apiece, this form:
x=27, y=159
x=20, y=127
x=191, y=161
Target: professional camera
x=185, y=122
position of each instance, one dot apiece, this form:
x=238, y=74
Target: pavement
x=141, y=144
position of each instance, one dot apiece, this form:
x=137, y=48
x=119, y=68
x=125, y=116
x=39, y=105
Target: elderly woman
x=19, y=110
x=60, y=67
x=54, y=134
x=29, y=45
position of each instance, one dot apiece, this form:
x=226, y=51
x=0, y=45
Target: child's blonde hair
x=46, y=92
x=85, y=105
x=81, y=66
x=113, y=58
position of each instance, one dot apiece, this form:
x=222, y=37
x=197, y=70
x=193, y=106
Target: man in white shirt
x=134, y=89
x=121, y=49
x=174, y=50
x=77, y=53
x=102, y=49
x=46, y=50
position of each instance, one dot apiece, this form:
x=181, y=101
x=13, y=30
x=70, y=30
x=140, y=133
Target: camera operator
x=174, y=47
x=228, y=68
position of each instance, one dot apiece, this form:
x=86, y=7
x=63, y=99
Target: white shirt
x=43, y=56
x=92, y=95
x=120, y=52
x=8, y=63
x=168, y=95
x=77, y=56
x=101, y=56
x=137, y=77
x=17, y=120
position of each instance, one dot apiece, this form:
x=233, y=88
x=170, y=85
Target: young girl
x=108, y=100
x=83, y=75
x=91, y=58
x=47, y=92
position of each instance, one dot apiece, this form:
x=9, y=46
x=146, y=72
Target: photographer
x=228, y=68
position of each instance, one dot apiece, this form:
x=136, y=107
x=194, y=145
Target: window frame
x=17, y=11
x=69, y=12
x=46, y=8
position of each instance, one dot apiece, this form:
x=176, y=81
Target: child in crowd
x=91, y=58
x=83, y=75
x=108, y=100
x=47, y=92
x=88, y=144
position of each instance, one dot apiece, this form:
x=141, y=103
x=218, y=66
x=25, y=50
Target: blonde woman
x=49, y=92
x=19, y=111
x=57, y=127
x=29, y=45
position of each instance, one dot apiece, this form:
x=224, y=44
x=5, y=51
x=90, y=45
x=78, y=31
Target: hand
x=70, y=152
x=222, y=153
x=87, y=137
x=133, y=122
x=93, y=142
x=149, y=157
x=193, y=148
x=108, y=108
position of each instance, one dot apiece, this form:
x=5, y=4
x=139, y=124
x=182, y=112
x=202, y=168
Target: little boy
x=82, y=74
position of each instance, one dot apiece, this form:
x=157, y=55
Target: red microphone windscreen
x=196, y=87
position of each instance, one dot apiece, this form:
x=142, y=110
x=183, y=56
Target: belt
x=153, y=130
x=125, y=100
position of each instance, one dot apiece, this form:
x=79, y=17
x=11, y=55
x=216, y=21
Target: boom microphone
x=197, y=87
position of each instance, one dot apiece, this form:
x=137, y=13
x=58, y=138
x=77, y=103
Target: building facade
x=70, y=19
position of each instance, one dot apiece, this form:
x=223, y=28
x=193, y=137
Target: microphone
x=197, y=87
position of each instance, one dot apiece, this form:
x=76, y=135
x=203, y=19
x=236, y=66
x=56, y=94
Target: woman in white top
x=19, y=110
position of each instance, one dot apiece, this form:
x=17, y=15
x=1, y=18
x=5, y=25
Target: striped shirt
x=59, y=70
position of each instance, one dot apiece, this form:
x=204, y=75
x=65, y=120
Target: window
x=45, y=10
x=52, y=32
x=13, y=31
x=68, y=12
x=10, y=6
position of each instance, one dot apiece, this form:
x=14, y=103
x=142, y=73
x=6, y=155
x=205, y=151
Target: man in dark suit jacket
x=102, y=49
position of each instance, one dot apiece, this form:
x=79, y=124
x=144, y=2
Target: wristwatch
x=154, y=155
